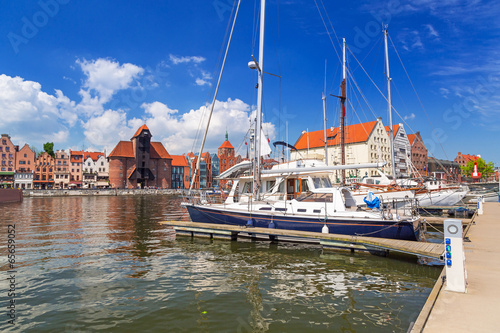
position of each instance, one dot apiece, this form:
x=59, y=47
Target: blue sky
x=86, y=74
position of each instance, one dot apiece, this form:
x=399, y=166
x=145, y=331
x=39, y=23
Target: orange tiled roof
x=76, y=152
x=411, y=138
x=179, y=160
x=123, y=149
x=353, y=133
x=394, y=129
x=191, y=155
x=226, y=144
x=93, y=155
x=143, y=127
x=159, y=151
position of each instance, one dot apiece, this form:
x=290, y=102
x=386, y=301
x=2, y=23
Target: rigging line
x=215, y=96
x=357, y=100
x=327, y=32
x=364, y=98
x=210, y=91
x=256, y=15
x=418, y=97
x=371, y=80
x=330, y=21
x=375, y=44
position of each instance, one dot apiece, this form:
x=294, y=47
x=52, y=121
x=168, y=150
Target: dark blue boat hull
x=381, y=228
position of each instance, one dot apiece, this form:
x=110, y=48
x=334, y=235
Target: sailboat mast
x=325, y=120
x=258, y=122
x=389, y=102
x=342, y=113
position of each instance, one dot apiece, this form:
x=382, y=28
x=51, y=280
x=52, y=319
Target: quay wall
x=100, y=192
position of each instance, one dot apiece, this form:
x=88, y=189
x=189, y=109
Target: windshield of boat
x=315, y=197
x=321, y=182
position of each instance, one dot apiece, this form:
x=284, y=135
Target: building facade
x=25, y=165
x=449, y=171
x=43, y=177
x=62, y=172
x=180, y=172
x=7, y=161
x=140, y=163
x=402, y=150
x=419, y=154
x=364, y=143
x=95, y=170
x=76, y=173
x=226, y=159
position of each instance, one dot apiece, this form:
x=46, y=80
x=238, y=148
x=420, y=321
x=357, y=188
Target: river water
x=106, y=264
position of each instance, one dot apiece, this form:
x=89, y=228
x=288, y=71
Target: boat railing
x=399, y=208
x=204, y=197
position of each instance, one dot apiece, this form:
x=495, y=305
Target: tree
x=486, y=169
x=48, y=147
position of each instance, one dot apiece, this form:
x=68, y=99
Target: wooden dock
x=477, y=309
x=345, y=242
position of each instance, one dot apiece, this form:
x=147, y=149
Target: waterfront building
x=140, y=162
x=76, y=173
x=203, y=176
x=43, y=177
x=23, y=180
x=62, y=169
x=215, y=170
x=364, y=143
x=180, y=172
x=449, y=171
x=226, y=158
x=7, y=161
x=463, y=159
x=25, y=165
x=402, y=150
x=95, y=170
x=419, y=154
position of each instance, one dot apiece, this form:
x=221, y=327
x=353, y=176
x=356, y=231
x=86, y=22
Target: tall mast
x=389, y=102
x=342, y=113
x=258, y=122
x=325, y=120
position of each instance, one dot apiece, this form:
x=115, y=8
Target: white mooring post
x=454, y=256
x=480, y=201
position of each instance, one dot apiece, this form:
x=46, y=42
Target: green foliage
x=49, y=148
x=486, y=169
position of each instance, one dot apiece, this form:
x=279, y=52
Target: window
x=4, y=142
x=25, y=155
x=7, y=148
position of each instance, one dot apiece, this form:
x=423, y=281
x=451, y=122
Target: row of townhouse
x=22, y=168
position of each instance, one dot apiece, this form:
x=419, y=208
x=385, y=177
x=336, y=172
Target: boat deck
x=421, y=249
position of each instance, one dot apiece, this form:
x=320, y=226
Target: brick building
x=463, y=159
x=449, y=171
x=203, y=176
x=227, y=159
x=419, y=153
x=140, y=163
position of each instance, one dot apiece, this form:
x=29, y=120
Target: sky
x=87, y=74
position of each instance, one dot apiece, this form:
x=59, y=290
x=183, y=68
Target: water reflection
x=105, y=263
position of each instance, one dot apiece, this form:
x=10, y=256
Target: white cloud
x=27, y=111
x=178, y=131
x=411, y=116
x=108, y=129
x=186, y=59
x=432, y=31
x=104, y=78
x=205, y=79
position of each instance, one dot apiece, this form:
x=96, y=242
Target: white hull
x=440, y=198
